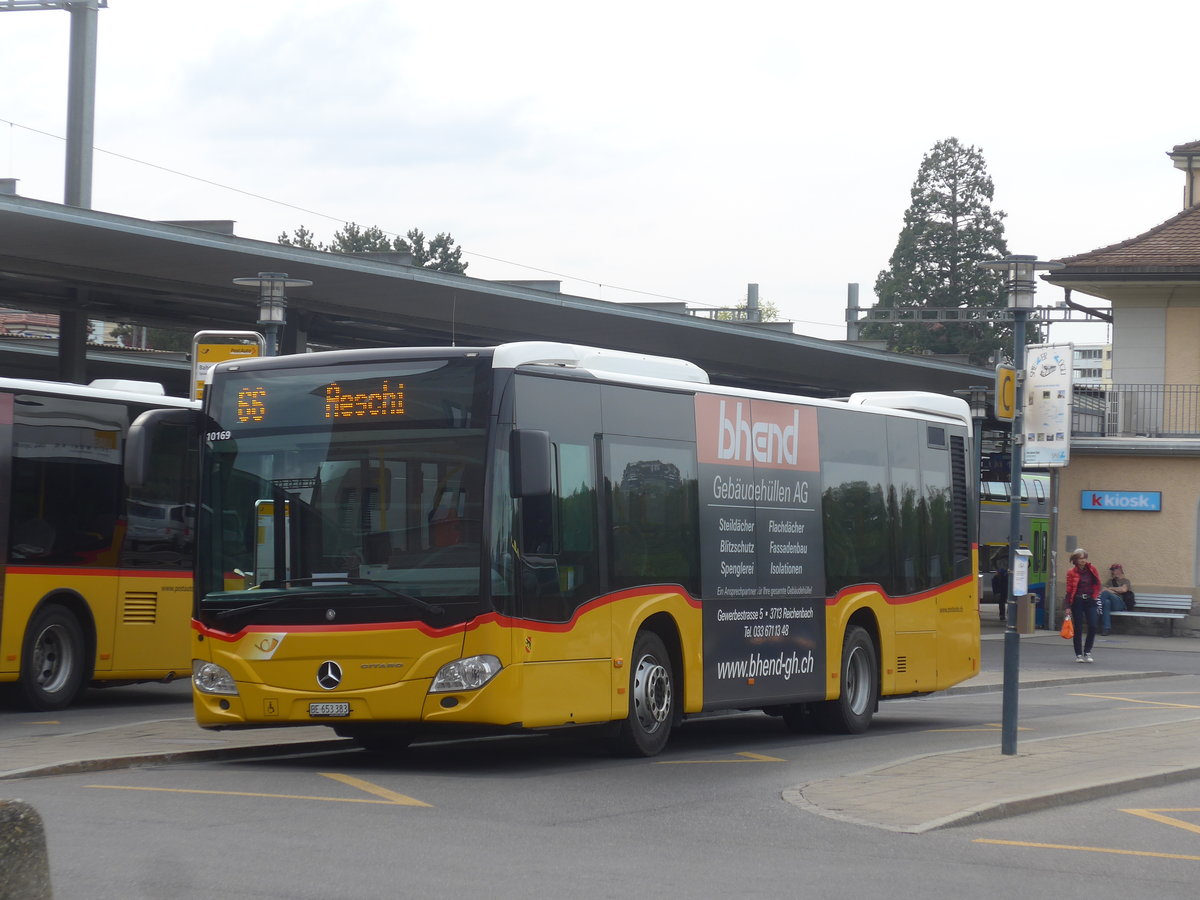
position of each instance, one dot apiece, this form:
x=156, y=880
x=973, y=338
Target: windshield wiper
x=283, y=584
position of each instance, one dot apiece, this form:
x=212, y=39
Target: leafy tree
x=440, y=253
x=949, y=228
x=767, y=311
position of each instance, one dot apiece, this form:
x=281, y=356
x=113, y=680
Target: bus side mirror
x=143, y=439
x=530, y=463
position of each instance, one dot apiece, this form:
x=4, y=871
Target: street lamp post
x=272, y=303
x=1021, y=288
x=977, y=400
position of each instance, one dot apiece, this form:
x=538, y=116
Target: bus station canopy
x=95, y=265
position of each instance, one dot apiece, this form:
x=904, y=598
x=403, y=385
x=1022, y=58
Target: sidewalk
x=910, y=795
x=927, y=792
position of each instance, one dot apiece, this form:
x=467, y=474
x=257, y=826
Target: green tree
x=949, y=228
x=767, y=311
x=440, y=253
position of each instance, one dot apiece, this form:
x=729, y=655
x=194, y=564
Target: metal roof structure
x=85, y=263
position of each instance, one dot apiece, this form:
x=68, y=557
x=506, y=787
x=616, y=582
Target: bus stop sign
x=1006, y=393
x=212, y=347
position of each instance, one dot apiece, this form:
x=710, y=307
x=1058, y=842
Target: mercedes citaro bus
x=546, y=536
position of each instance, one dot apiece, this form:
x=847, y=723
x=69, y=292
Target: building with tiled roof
x=1140, y=434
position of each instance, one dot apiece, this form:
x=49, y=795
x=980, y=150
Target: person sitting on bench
x=1116, y=596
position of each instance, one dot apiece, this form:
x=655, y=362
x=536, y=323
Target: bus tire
x=852, y=711
x=52, y=659
x=645, y=731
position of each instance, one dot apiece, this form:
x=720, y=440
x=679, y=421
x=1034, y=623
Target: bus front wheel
x=852, y=711
x=52, y=659
x=645, y=731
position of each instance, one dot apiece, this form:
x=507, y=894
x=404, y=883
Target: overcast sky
x=632, y=150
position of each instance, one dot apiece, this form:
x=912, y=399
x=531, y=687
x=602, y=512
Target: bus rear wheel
x=52, y=660
x=651, y=699
x=852, y=711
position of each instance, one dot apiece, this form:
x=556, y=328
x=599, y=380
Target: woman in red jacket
x=1083, y=601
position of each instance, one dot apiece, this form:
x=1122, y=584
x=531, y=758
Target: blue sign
x=1124, y=501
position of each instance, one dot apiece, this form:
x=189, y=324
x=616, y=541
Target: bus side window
x=537, y=524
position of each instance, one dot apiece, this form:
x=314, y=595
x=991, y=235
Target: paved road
x=909, y=795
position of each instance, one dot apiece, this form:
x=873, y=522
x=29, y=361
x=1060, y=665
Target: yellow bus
x=96, y=581
x=545, y=536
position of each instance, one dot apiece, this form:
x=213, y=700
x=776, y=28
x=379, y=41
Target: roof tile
x=1174, y=243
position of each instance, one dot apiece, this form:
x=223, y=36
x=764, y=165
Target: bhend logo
x=764, y=442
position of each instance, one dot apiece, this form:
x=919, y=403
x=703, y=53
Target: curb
x=24, y=861
x=167, y=757
x=1003, y=809
x=999, y=807
x=969, y=688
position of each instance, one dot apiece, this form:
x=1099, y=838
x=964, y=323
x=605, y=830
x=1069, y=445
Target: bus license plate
x=328, y=710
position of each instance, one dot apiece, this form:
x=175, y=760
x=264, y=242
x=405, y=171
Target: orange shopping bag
x=1068, y=627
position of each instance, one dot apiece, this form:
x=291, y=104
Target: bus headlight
x=209, y=678
x=465, y=674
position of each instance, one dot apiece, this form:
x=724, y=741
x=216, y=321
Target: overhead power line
x=341, y=220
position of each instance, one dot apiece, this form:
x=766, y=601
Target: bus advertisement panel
x=760, y=539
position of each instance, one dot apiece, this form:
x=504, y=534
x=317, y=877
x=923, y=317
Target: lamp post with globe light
x=272, y=303
x=1021, y=287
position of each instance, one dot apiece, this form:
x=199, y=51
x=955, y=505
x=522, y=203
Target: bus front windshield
x=349, y=482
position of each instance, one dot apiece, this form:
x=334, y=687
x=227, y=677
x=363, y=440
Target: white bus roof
x=658, y=369
x=100, y=389
x=597, y=361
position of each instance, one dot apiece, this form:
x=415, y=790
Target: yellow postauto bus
x=96, y=581
x=540, y=535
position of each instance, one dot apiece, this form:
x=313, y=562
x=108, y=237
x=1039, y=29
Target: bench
x=1170, y=607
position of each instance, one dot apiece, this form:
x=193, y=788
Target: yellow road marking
x=747, y=757
x=1157, y=704
x=388, y=798
x=1154, y=816
x=1113, y=850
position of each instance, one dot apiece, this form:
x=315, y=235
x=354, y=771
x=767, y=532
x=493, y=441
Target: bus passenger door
x=565, y=638
x=151, y=636
x=1039, y=564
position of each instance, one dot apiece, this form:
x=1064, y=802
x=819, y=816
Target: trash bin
x=1026, y=613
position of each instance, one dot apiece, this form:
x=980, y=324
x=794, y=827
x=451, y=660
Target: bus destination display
x=254, y=402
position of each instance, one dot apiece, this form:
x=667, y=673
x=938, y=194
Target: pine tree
x=440, y=253
x=949, y=228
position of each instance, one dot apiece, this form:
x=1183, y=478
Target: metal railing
x=1136, y=410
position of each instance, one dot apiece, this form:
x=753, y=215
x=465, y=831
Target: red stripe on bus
x=478, y=622
x=899, y=600
x=76, y=571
